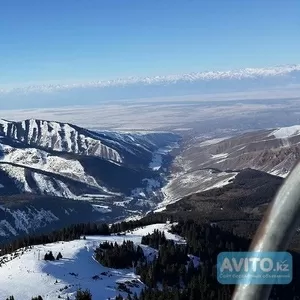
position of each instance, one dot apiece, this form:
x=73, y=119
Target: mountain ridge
x=115, y=175
x=246, y=73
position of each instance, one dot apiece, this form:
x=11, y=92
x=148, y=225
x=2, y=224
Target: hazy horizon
x=69, y=53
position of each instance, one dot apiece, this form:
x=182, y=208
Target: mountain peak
x=61, y=137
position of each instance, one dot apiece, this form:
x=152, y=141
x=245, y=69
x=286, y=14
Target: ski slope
x=26, y=275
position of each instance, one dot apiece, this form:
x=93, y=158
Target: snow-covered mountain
x=77, y=269
x=274, y=151
x=67, y=138
x=27, y=213
x=208, y=163
x=240, y=74
x=55, y=158
x=115, y=172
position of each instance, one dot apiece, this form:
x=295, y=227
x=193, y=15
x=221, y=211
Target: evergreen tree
x=118, y=256
x=83, y=295
x=49, y=256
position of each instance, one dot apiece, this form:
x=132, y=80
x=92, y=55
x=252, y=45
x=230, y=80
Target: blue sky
x=75, y=40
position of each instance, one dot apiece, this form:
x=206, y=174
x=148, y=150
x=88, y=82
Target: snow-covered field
x=29, y=275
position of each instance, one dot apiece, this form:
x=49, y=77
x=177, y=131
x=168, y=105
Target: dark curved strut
x=275, y=231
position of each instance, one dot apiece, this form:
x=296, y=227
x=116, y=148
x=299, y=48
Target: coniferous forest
x=174, y=273
x=119, y=256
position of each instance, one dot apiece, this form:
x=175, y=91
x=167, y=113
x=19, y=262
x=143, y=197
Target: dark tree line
x=66, y=234
x=75, y=231
x=83, y=295
x=150, y=219
x=119, y=256
x=80, y=295
x=179, y=276
x=154, y=240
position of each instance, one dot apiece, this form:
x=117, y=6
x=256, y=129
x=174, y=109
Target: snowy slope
x=274, y=151
x=25, y=275
x=41, y=160
x=23, y=221
x=27, y=214
x=57, y=137
x=163, y=227
x=190, y=182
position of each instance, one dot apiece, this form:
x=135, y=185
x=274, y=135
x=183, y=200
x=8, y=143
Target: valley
x=53, y=175
x=49, y=168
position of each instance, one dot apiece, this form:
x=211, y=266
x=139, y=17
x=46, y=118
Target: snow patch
x=25, y=220
x=286, y=132
x=102, y=208
x=222, y=182
x=212, y=141
x=221, y=155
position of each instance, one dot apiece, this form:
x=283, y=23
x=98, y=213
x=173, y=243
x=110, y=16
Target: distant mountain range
x=96, y=92
x=288, y=71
